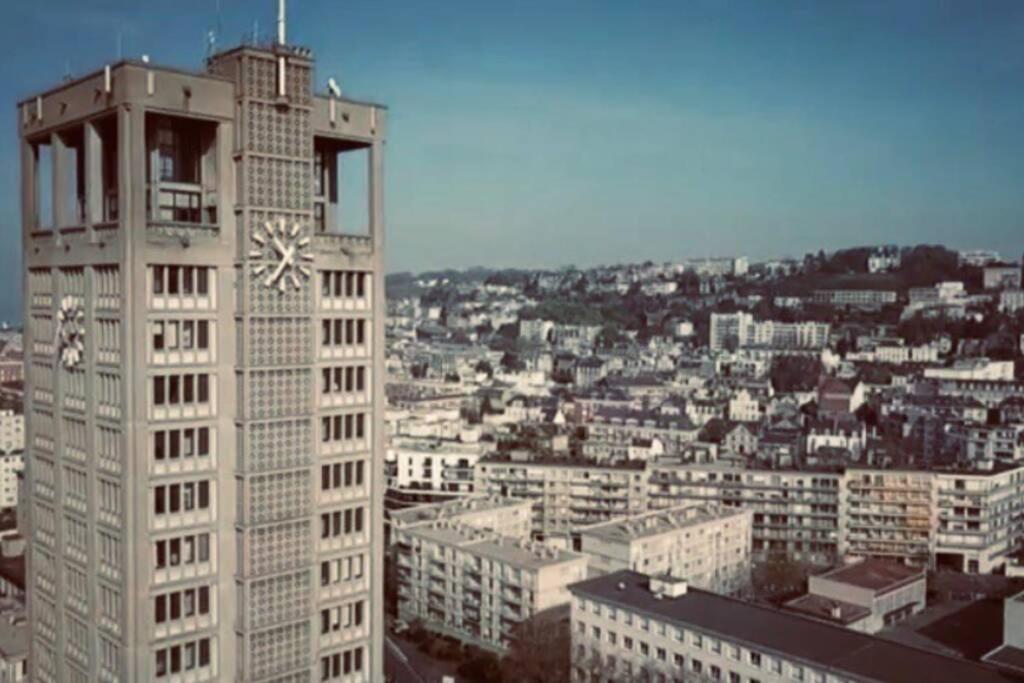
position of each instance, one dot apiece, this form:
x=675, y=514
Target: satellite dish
x=333, y=86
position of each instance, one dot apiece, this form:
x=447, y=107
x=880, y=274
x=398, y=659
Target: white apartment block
x=709, y=548
x=981, y=518
x=628, y=626
x=566, y=494
x=740, y=330
x=11, y=464
x=12, y=431
x=974, y=369
x=434, y=464
x=1011, y=300
x=476, y=585
x=508, y=517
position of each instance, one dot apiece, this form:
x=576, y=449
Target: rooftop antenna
x=281, y=22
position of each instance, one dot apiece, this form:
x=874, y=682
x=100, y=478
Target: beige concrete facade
x=477, y=585
x=204, y=392
x=709, y=548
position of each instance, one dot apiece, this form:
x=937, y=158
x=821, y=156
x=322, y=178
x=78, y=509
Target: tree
x=511, y=362
x=795, y=373
x=484, y=367
x=540, y=649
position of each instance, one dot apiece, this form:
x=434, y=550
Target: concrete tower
x=204, y=342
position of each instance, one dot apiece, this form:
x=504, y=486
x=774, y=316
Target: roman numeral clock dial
x=283, y=255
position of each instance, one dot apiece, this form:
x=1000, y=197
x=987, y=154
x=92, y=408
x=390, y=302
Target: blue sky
x=549, y=132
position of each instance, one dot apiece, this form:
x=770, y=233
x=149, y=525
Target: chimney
x=836, y=611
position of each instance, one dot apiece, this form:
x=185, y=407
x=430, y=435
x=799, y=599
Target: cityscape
x=241, y=441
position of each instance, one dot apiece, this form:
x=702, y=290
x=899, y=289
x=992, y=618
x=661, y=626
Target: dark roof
x=822, y=608
x=875, y=575
x=13, y=569
x=817, y=643
x=1007, y=656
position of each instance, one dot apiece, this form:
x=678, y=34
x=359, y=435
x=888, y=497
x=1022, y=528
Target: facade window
x=342, y=522
x=181, y=657
x=180, y=335
x=183, y=550
x=343, y=284
x=343, y=380
x=187, y=442
x=342, y=616
x=343, y=332
x=338, y=428
x=341, y=570
x=342, y=475
x=184, y=389
x=333, y=667
x=184, y=497
x=174, y=280
x=182, y=604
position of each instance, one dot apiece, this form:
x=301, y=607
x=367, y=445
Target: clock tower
x=204, y=341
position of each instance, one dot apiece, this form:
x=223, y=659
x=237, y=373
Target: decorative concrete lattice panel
x=279, y=183
x=279, y=599
x=280, y=341
x=279, y=649
x=278, y=445
x=261, y=81
x=271, y=130
x=272, y=301
x=279, y=495
x=280, y=547
x=279, y=393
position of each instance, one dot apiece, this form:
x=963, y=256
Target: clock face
x=283, y=255
x=71, y=332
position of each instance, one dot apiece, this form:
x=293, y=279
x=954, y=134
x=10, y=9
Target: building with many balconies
x=708, y=547
x=477, y=585
x=566, y=493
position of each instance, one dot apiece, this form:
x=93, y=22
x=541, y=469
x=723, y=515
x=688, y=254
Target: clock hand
x=278, y=246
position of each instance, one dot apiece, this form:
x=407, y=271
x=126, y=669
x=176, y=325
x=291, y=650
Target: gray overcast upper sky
x=548, y=132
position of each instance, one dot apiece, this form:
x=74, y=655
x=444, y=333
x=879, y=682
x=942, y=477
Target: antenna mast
x=280, y=22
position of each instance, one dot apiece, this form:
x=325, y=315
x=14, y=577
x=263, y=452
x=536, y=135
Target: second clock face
x=70, y=332
x=282, y=255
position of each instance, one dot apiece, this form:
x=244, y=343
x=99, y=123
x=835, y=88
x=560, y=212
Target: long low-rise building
x=476, y=585
x=629, y=626
x=969, y=520
x=708, y=547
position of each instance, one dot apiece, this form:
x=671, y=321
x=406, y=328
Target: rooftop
x=767, y=629
x=453, y=509
x=878, y=576
x=522, y=554
x=821, y=607
x=655, y=523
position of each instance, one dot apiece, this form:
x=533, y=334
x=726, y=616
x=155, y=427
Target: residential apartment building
x=476, y=585
x=793, y=513
x=508, y=517
x=869, y=299
x=889, y=514
x=708, y=547
x=12, y=431
x=434, y=464
x=980, y=518
x=628, y=626
x=1011, y=300
x=204, y=396
x=740, y=330
x=611, y=432
x=566, y=493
